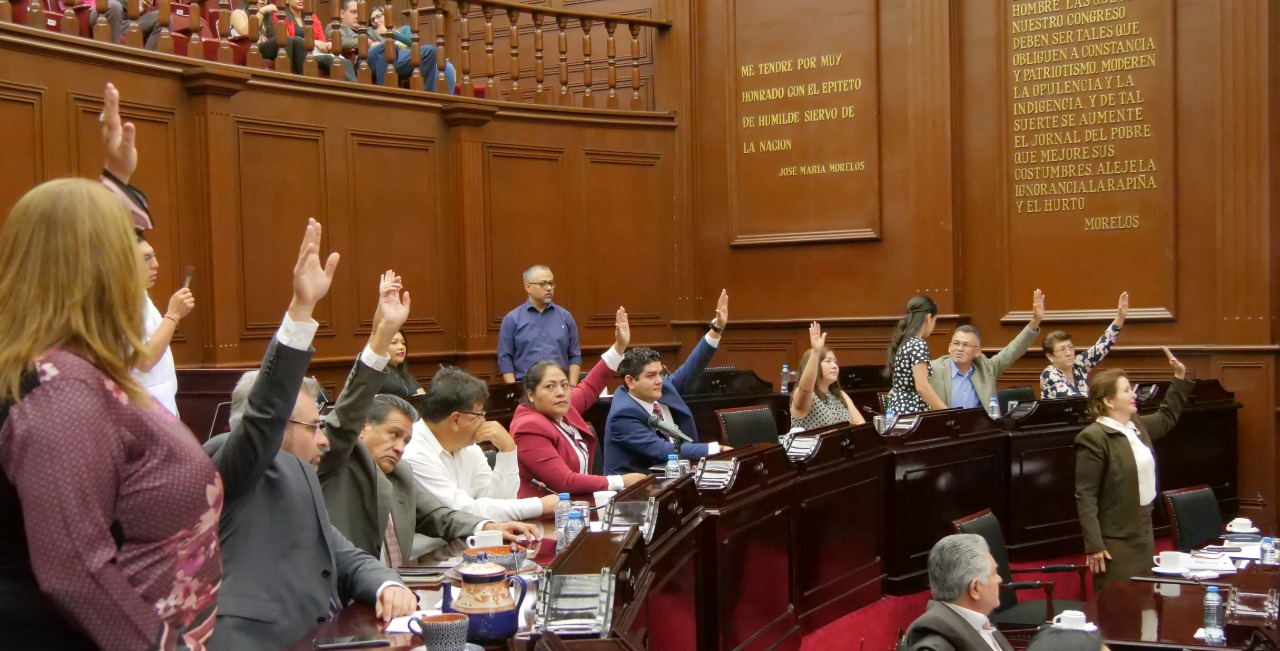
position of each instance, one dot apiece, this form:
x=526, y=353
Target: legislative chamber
x=811, y=165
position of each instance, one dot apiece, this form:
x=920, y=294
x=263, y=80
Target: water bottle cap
x=564, y=496
x=992, y=399
x=575, y=515
x=785, y=366
x=889, y=410
x=1213, y=589
x=672, y=457
x=1266, y=539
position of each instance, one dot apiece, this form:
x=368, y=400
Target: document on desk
x=1221, y=565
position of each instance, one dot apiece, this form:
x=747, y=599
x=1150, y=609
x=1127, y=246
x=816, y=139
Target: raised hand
x=817, y=338
x=311, y=279
x=1037, y=309
x=393, y=306
x=1179, y=369
x=1122, y=310
x=621, y=330
x=120, y=155
x=722, y=309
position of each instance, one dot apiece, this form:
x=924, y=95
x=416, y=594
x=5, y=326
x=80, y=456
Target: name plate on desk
x=1048, y=413
x=658, y=507
x=941, y=425
x=803, y=448
x=735, y=473
x=716, y=474
x=590, y=583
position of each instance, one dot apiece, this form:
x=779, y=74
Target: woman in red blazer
x=554, y=444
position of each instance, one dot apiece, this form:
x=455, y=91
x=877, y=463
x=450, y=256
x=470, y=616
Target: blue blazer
x=630, y=445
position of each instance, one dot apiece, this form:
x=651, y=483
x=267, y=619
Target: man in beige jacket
x=965, y=377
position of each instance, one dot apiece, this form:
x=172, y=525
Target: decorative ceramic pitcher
x=485, y=597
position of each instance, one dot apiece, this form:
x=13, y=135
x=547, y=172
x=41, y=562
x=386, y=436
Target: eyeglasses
x=473, y=413
x=963, y=345
x=317, y=426
x=545, y=284
x=1063, y=349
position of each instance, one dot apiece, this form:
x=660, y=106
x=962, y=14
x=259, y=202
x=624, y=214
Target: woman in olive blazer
x=1115, y=473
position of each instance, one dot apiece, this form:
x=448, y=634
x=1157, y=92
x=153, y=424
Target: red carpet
x=875, y=627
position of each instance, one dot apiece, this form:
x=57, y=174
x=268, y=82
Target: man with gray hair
x=537, y=330
x=966, y=588
x=964, y=377
x=370, y=490
x=285, y=567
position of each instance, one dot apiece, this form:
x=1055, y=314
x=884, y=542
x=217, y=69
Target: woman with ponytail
x=908, y=367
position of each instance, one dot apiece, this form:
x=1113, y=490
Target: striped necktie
x=392, y=542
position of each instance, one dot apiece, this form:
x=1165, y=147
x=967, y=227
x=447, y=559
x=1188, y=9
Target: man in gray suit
x=964, y=377
x=966, y=588
x=285, y=568
x=372, y=495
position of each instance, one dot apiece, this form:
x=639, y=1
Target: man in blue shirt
x=537, y=330
x=966, y=378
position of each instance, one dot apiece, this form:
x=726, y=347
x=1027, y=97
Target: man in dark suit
x=966, y=588
x=630, y=443
x=285, y=568
x=371, y=493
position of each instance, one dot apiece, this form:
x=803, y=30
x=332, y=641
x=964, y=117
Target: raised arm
x=250, y=448
x=802, y=398
x=343, y=425
x=180, y=305
x=588, y=391
x=701, y=355
x=1091, y=357
x=1001, y=361
x=1159, y=423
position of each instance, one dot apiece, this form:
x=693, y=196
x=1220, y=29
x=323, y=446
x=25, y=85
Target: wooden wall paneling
x=806, y=153
x=524, y=232
x=397, y=230
x=273, y=210
x=23, y=166
x=1252, y=379
x=1243, y=192
x=159, y=174
x=627, y=207
x=465, y=123
x=1090, y=156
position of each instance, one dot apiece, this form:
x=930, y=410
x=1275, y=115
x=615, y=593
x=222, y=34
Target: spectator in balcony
x=379, y=38
x=537, y=330
x=118, y=19
x=295, y=44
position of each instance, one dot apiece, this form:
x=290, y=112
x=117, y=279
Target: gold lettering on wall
x=1082, y=73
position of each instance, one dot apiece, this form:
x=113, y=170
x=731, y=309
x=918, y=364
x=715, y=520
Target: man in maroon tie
x=631, y=443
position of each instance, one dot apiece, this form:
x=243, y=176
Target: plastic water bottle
x=993, y=408
x=562, y=513
x=673, y=467
x=1212, y=615
x=786, y=379
x=889, y=419
x=572, y=527
x=1268, y=556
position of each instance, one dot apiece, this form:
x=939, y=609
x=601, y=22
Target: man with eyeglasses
x=369, y=488
x=964, y=377
x=286, y=568
x=538, y=329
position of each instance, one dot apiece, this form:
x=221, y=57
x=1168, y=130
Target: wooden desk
x=1138, y=614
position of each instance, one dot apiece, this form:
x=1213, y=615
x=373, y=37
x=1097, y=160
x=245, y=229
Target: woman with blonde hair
x=108, y=506
x=1116, y=473
x=818, y=400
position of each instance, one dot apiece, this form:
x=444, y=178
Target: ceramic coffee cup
x=445, y=632
x=1240, y=524
x=1173, y=560
x=1071, y=619
x=500, y=554
x=485, y=539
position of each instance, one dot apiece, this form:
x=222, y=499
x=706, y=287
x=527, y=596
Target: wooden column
x=225, y=54
x=539, y=67
x=164, y=43
x=101, y=28
x=214, y=211
x=611, y=52
x=282, y=38
x=562, y=40
x=464, y=45
x=442, y=82
x=416, y=82
x=588, y=100
x=635, y=66
x=465, y=123
x=489, y=87
x=336, y=71
x=364, y=74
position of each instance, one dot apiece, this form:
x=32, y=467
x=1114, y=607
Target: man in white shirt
x=447, y=462
x=966, y=589
x=155, y=369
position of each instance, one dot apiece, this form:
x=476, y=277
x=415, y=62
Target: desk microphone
x=671, y=430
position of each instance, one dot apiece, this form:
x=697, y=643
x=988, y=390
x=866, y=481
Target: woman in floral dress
x=909, y=360
x=108, y=506
x=1067, y=375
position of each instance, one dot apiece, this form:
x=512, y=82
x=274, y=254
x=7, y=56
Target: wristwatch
x=715, y=327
